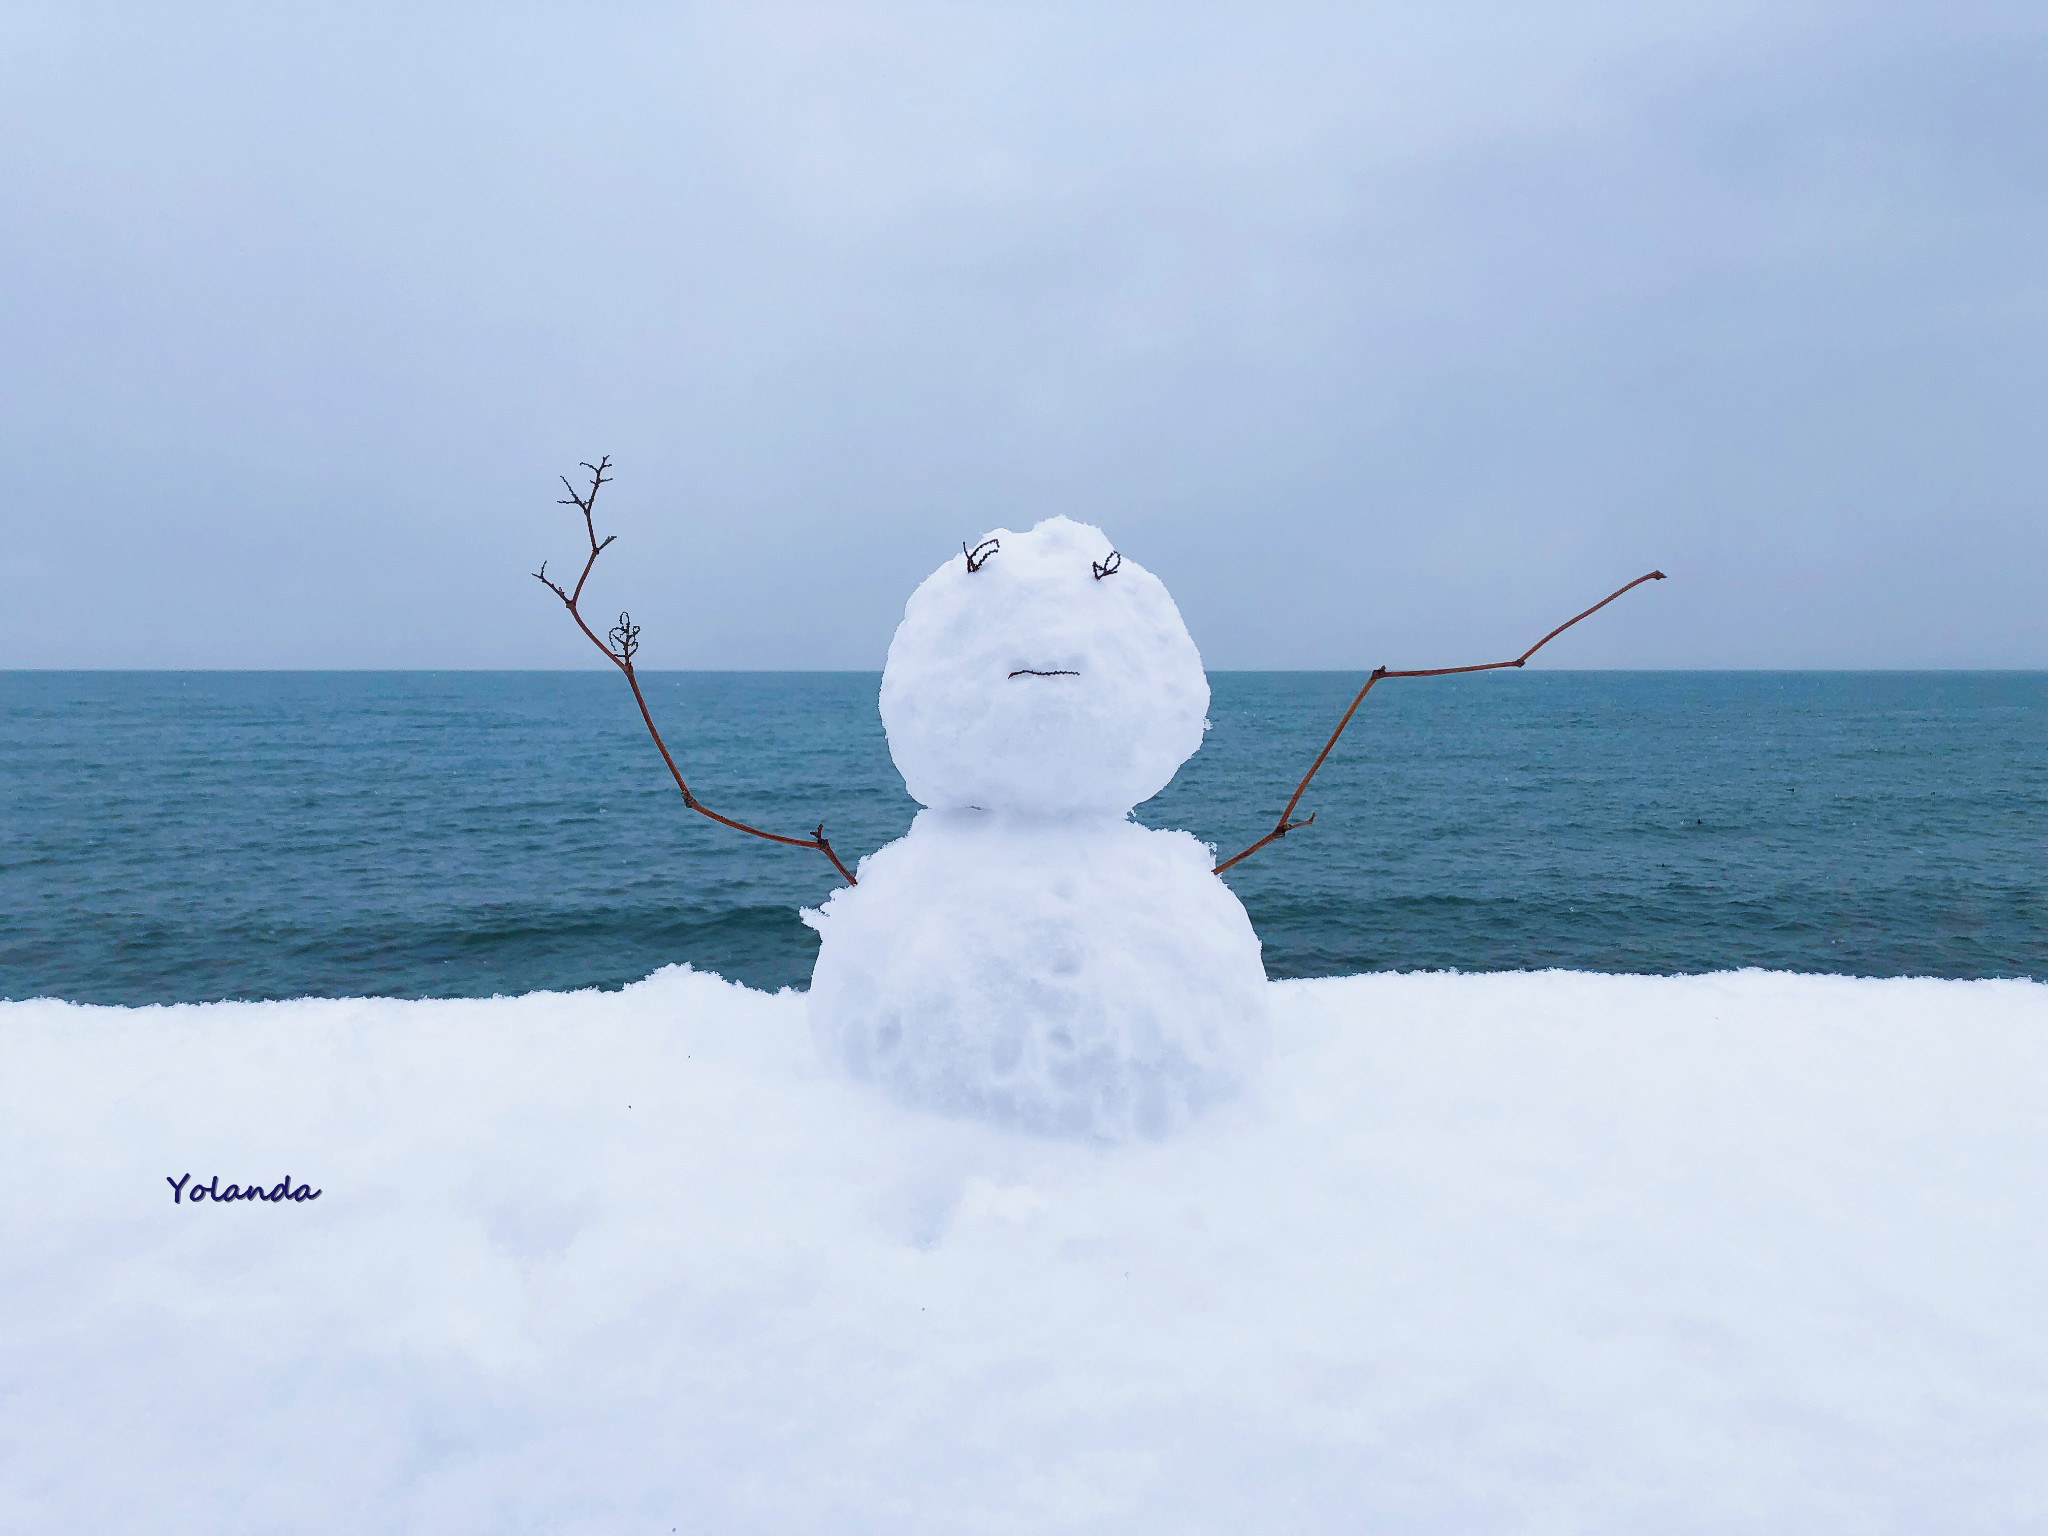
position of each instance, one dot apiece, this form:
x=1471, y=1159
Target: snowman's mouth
x=1030, y=672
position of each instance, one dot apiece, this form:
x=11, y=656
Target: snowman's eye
x=1107, y=567
x=977, y=557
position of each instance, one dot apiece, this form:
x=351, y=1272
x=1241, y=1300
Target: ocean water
x=176, y=837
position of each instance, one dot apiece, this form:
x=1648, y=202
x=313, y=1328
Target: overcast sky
x=1384, y=333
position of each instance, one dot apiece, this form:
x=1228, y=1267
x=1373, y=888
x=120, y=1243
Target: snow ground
x=1555, y=1252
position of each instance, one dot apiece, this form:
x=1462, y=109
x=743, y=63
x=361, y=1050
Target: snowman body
x=1026, y=953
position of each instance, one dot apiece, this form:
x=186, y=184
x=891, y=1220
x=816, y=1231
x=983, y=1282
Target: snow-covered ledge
x=1742, y=1252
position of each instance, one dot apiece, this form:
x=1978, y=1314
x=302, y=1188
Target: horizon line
x=877, y=671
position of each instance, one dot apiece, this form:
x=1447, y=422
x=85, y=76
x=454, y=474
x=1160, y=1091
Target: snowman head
x=1045, y=675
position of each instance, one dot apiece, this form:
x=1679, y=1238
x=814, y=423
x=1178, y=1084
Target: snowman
x=1026, y=953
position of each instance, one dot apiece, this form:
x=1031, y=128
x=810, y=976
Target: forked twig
x=1286, y=824
x=625, y=641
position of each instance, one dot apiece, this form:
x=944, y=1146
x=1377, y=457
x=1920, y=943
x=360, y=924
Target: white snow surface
x=1032, y=685
x=1515, y=1253
x=1073, y=974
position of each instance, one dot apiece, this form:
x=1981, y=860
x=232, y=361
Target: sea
x=190, y=836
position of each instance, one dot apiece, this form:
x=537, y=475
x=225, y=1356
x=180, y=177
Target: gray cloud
x=1384, y=334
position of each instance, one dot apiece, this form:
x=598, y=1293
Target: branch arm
x=624, y=663
x=1286, y=824
x=1494, y=666
x=1277, y=832
x=817, y=840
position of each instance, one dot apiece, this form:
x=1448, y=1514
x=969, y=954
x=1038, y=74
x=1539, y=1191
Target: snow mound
x=1032, y=685
x=1082, y=976
x=1470, y=1254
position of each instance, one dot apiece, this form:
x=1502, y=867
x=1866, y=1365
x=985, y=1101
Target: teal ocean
x=179, y=837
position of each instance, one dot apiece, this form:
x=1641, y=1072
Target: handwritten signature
x=211, y=1190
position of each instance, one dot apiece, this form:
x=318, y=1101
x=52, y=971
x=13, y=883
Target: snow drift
x=1494, y=1253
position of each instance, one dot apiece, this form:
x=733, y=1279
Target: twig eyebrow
x=977, y=557
x=1028, y=672
x=1108, y=567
